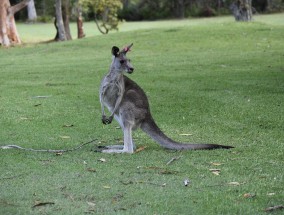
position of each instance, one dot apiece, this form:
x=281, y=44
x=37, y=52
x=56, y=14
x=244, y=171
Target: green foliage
x=105, y=10
x=44, y=19
x=146, y=10
x=220, y=81
x=151, y=10
x=196, y=11
x=165, y=9
x=263, y=6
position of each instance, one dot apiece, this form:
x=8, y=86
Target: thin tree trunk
x=179, y=9
x=80, y=28
x=60, y=36
x=66, y=17
x=32, y=16
x=268, y=5
x=100, y=26
x=78, y=11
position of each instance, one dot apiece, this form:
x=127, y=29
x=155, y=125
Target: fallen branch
x=12, y=177
x=273, y=208
x=47, y=150
x=173, y=159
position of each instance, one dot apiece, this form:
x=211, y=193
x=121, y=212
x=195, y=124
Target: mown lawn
x=216, y=82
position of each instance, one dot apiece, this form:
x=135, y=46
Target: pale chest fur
x=111, y=90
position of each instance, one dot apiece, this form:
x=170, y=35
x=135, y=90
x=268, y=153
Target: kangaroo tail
x=150, y=127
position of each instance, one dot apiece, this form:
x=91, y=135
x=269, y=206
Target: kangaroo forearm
x=117, y=104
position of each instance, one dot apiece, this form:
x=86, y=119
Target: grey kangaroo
x=129, y=105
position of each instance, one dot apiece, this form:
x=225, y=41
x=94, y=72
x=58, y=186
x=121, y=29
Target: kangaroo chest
x=112, y=90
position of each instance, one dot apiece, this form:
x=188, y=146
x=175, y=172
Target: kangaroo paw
x=106, y=120
x=107, y=148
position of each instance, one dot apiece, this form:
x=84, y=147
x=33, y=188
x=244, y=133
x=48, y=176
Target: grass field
x=208, y=80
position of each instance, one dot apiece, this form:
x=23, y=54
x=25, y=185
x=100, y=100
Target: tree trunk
x=32, y=16
x=59, y=25
x=179, y=9
x=8, y=30
x=268, y=5
x=66, y=18
x=242, y=10
x=80, y=28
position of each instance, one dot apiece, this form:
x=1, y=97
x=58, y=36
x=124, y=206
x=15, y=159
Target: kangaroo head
x=120, y=62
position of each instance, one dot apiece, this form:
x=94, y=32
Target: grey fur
x=129, y=105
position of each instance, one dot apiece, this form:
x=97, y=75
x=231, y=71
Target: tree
x=78, y=11
x=58, y=22
x=8, y=30
x=242, y=10
x=105, y=13
x=66, y=18
x=179, y=9
x=31, y=11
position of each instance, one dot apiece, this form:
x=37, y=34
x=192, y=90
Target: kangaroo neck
x=115, y=74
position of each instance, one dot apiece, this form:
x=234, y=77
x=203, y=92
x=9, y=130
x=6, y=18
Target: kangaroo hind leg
x=128, y=145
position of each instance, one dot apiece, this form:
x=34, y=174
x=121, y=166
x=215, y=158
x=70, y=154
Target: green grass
x=222, y=82
x=39, y=32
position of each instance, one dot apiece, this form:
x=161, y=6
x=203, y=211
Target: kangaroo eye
x=122, y=61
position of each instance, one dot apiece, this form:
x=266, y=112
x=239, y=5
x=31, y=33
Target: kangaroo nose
x=130, y=70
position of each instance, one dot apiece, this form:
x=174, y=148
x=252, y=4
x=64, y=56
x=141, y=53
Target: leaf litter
x=140, y=149
x=102, y=160
x=216, y=163
x=249, y=195
x=68, y=126
x=186, y=182
x=39, y=204
x=215, y=171
x=273, y=208
x=91, y=169
x=173, y=159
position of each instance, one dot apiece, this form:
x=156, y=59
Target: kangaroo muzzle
x=130, y=70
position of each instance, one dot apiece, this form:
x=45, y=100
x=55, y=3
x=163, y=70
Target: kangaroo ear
x=115, y=51
x=127, y=48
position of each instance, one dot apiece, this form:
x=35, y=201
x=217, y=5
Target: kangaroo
x=128, y=104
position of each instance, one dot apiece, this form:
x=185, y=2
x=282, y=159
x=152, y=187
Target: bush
x=45, y=19
x=195, y=11
x=130, y=13
x=165, y=9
